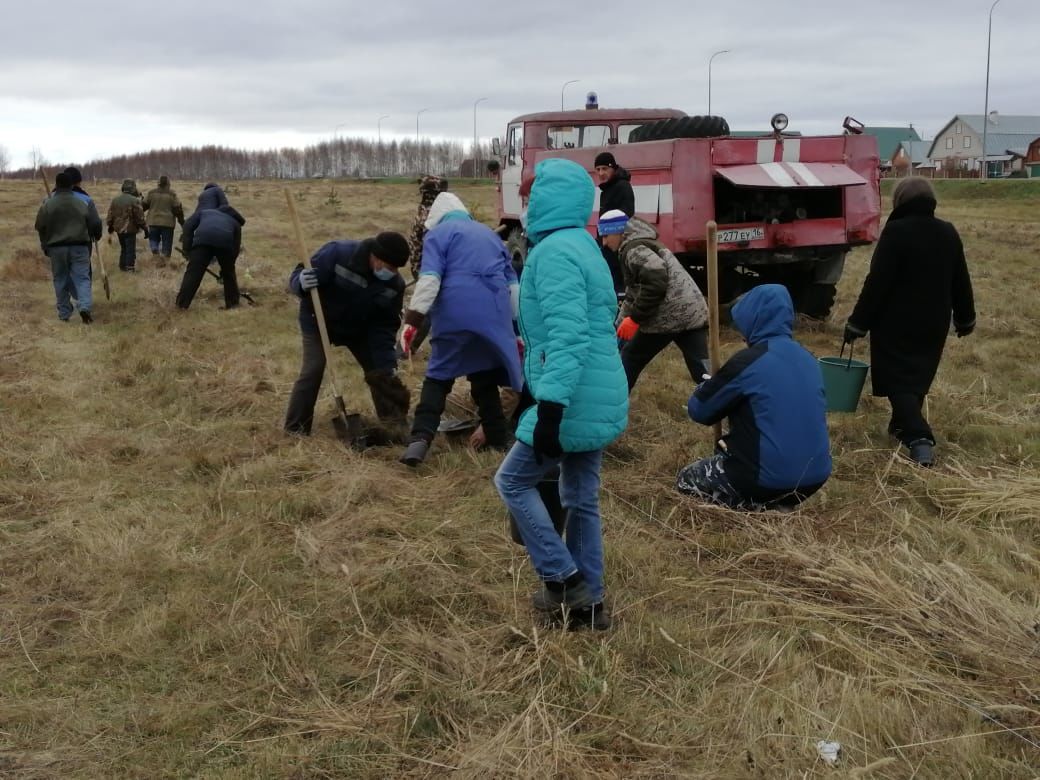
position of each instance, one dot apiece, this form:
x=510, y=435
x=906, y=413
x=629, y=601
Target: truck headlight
x=779, y=122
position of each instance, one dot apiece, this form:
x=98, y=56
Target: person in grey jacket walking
x=67, y=224
x=662, y=302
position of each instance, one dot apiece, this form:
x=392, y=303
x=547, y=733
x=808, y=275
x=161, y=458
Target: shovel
x=104, y=273
x=714, y=349
x=347, y=424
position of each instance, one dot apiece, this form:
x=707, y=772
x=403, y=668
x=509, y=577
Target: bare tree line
x=343, y=157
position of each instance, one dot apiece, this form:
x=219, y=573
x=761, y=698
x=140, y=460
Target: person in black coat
x=615, y=192
x=212, y=234
x=918, y=279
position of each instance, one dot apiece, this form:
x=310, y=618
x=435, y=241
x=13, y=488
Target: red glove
x=627, y=329
x=407, y=337
x=520, y=348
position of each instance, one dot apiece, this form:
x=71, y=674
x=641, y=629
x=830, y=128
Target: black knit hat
x=391, y=248
x=62, y=181
x=74, y=175
x=605, y=158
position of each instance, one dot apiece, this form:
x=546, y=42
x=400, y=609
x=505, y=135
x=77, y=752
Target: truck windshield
x=577, y=136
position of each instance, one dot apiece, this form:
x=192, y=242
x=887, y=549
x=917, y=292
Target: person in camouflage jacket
x=662, y=302
x=429, y=188
x=125, y=218
x=164, y=211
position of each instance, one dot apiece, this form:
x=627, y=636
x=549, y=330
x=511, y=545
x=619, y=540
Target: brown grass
x=188, y=593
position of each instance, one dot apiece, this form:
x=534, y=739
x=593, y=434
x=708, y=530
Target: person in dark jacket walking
x=67, y=224
x=615, y=194
x=125, y=218
x=213, y=234
x=918, y=281
x=777, y=451
x=362, y=296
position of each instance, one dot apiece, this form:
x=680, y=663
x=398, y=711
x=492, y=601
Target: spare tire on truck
x=682, y=127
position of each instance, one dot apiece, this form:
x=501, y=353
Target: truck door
x=512, y=172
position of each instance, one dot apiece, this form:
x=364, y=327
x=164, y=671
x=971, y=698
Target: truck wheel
x=516, y=243
x=813, y=299
x=683, y=127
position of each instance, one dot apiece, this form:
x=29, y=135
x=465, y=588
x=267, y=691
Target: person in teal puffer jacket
x=573, y=370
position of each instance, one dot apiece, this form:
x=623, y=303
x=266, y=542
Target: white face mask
x=384, y=274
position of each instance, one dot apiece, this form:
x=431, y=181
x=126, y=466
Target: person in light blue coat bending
x=573, y=371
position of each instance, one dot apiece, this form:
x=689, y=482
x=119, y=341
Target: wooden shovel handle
x=714, y=349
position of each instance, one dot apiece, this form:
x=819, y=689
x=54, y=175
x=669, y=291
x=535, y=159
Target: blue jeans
x=160, y=238
x=70, y=266
x=553, y=559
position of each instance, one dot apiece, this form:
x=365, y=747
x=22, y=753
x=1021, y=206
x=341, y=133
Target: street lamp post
x=417, y=115
x=564, y=89
x=476, y=143
x=379, y=140
x=712, y=57
x=985, y=111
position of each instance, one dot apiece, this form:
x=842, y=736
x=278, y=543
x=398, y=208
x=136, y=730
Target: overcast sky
x=83, y=80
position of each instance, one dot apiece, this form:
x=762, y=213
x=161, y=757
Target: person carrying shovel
x=362, y=295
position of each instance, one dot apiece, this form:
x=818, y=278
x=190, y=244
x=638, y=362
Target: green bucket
x=843, y=380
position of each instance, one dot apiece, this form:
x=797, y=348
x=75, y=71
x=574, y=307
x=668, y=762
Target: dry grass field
x=187, y=592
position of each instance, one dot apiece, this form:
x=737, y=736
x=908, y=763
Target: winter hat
x=445, y=203
x=129, y=186
x=62, y=181
x=391, y=248
x=910, y=188
x=75, y=177
x=164, y=181
x=605, y=158
x=612, y=222
x=210, y=186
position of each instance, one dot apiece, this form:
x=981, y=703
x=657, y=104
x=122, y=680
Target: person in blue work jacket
x=777, y=451
x=362, y=294
x=467, y=288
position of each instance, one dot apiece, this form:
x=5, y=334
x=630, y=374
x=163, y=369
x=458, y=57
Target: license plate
x=737, y=235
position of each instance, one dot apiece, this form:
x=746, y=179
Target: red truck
x=788, y=207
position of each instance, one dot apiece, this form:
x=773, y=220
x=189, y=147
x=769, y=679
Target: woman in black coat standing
x=918, y=280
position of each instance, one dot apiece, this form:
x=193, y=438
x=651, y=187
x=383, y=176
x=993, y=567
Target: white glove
x=308, y=279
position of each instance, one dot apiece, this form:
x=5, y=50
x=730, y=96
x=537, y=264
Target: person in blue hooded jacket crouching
x=777, y=451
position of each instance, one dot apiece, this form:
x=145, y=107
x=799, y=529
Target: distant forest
x=343, y=157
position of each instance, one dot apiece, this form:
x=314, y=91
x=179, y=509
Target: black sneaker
x=85, y=316
x=922, y=452
x=596, y=617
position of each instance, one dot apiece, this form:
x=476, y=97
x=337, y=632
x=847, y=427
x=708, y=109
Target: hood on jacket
x=231, y=212
x=620, y=174
x=637, y=229
x=129, y=186
x=211, y=197
x=766, y=312
x=561, y=197
x=443, y=204
x=164, y=182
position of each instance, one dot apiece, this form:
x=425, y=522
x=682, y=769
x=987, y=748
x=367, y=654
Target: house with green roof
x=888, y=140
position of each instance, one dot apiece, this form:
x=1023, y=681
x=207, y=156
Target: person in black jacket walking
x=212, y=234
x=615, y=193
x=918, y=278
